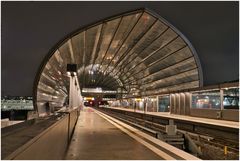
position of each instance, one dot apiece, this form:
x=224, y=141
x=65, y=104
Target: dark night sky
x=31, y=29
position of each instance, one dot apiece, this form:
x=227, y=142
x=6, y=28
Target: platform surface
x=224, y=123
x=96, y=138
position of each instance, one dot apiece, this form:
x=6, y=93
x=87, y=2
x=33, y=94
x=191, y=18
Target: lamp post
x=72, y=73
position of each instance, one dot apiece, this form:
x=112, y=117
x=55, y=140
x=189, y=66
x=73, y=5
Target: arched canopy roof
x=137, y=51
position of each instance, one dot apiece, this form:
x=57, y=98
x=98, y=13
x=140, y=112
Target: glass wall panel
x=140, y=105
x=125, y=103
x=115, y=103
x=206, y=100
x=231, y=98
x=151, y=103
x=131, y=103
x=163, y=104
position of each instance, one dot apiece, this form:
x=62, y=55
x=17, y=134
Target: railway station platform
x=99, y=136
x=104, y=134
x=217, y=122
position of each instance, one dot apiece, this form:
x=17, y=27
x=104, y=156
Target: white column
x=74, y=92
x=71, y=92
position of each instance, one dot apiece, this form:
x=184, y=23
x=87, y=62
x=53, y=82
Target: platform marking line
x=168, y=147
x=149, y=146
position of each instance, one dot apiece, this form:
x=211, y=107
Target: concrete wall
x=207, y=113
x=51, y=144
x=232, y=115
x=73, y=116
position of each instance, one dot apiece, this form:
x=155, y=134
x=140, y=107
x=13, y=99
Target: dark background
x=31, y=29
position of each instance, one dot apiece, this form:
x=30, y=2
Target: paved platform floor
x=96, y=138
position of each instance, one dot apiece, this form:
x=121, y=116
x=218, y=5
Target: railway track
x=227, y=147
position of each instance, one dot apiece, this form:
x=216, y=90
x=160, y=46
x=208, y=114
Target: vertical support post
x=74, y=92
x=187, y=103
x=225, y=150
x=221, y=99
x=177, y=103
x=134, y=106
x=146, y=104
x=71, y=88
x=157, y=103
x=75, y=95
x=172, y=103
x=182, y=104
x=190, y=98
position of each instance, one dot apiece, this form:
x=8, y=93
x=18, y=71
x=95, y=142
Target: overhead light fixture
x=72, y=69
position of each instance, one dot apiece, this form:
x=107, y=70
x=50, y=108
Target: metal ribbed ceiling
x=138, y=51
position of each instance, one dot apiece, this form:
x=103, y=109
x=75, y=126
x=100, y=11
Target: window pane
x=231, y=98
x=164, y=104
x=151, y=104
x=206, y=100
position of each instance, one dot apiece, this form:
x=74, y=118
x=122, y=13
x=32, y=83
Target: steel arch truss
x=138, y=51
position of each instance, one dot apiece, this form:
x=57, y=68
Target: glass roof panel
x=92, y=39
x=170, y=60
x=108, y=31
x=170, y=70
x=65, y=53
x=154, y=32
x=127, y=24
x=142, y=26
x=187, y=76
x=177, y=87
x=78, y=48
x=158, y=49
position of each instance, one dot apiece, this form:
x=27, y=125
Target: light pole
x=72, y=73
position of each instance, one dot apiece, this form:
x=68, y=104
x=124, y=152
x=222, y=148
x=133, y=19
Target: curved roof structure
x=137, y=51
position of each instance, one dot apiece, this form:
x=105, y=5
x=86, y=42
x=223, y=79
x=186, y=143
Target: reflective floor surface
x=96, y=138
